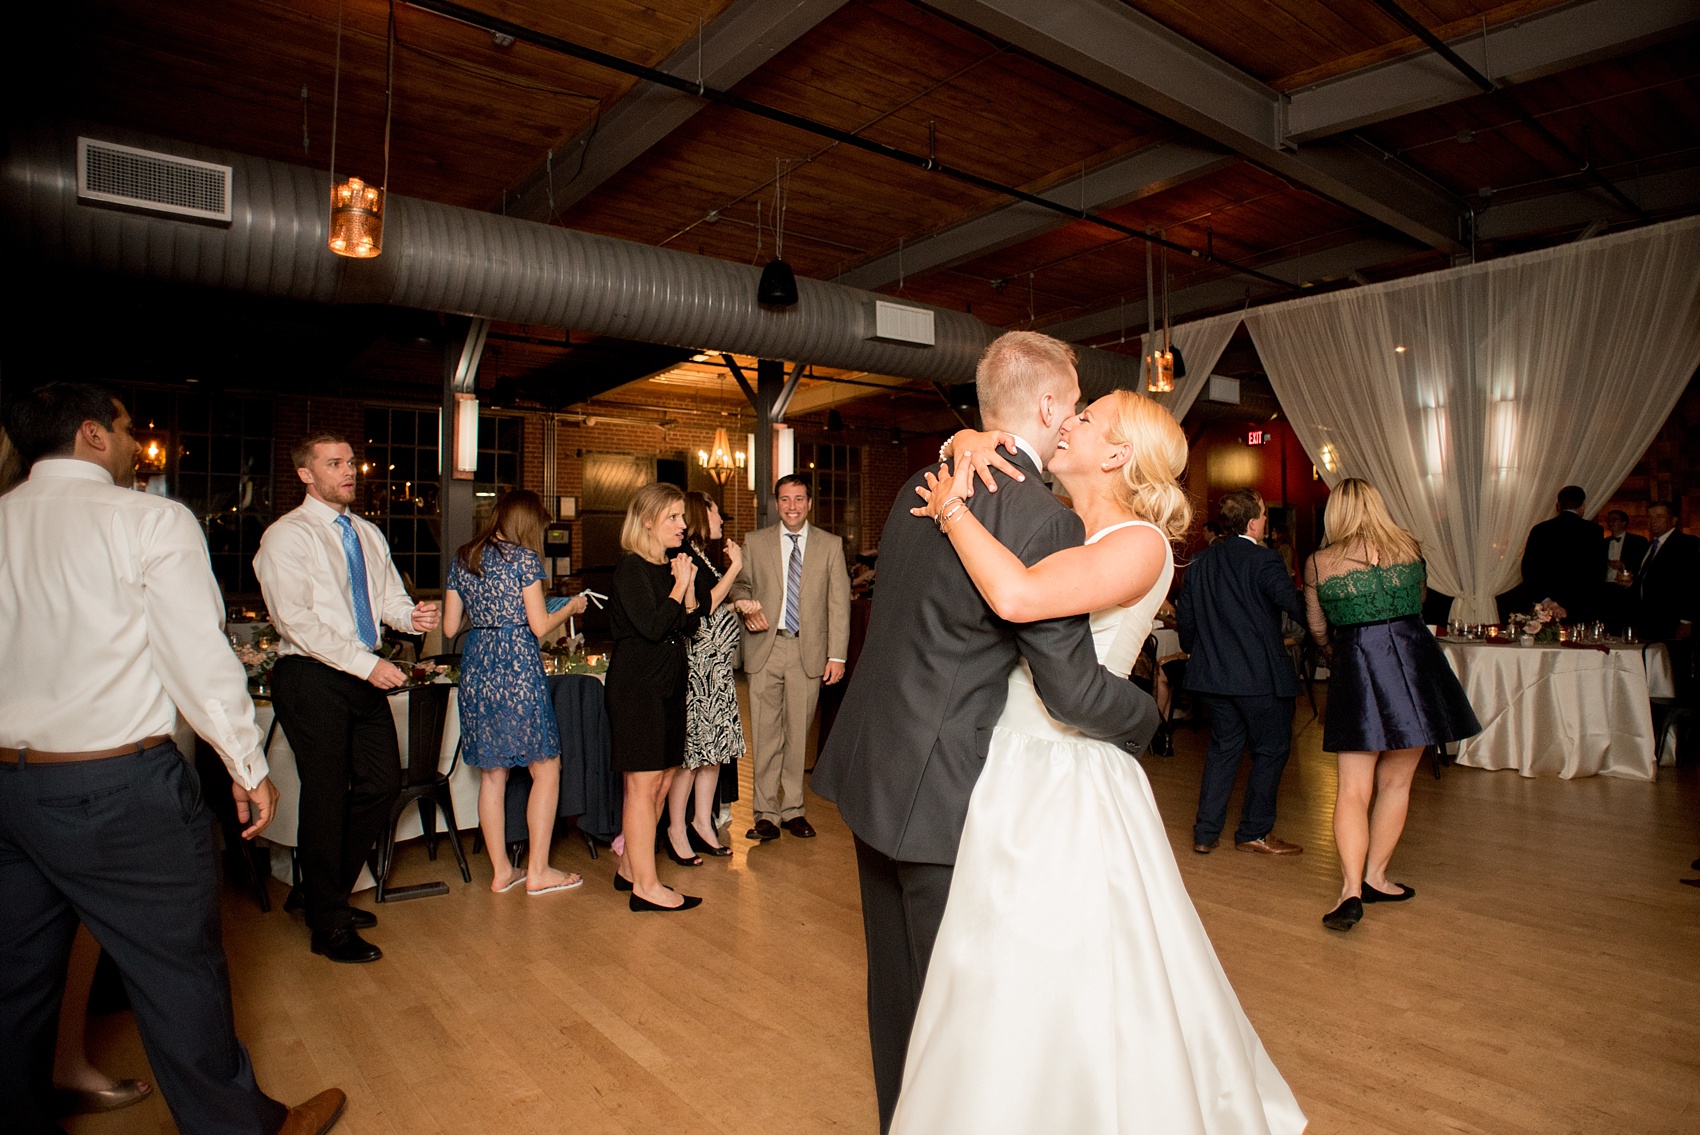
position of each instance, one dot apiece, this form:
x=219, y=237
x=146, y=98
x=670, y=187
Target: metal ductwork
x=450, y=259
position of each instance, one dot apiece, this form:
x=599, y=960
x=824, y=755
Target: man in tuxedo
x=1624, y=550
x=794, y=595
x=1229, y=618
x=1666, y=584
x=1565, y=557
x=912, y=735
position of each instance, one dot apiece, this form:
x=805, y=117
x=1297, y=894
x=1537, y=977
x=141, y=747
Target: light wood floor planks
x=1543, y=982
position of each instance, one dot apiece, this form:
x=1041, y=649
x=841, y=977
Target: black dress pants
x=124, y=845
x=346, y=753
x=1263, y=721
x=902, y=906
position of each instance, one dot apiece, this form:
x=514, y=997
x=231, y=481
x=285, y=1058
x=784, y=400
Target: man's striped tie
x=793, y=581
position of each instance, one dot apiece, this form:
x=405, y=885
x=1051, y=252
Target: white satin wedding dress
x=1072, y=987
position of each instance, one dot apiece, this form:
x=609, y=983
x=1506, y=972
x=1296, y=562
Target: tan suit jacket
x=823, y=614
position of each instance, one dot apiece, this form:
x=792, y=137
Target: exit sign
x=1257, y=437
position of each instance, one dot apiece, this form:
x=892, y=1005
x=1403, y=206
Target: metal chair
x=1668, y=713
x=427, y=713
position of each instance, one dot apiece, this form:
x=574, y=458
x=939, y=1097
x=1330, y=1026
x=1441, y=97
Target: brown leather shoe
x=799, y=827
x=317, y=1116
x=1206, y=848
x=764, y=831
x=1269, y=845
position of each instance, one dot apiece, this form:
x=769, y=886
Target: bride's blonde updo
x=1149, y=485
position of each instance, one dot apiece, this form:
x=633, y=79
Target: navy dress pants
x=1263, y=721
x=124, y=845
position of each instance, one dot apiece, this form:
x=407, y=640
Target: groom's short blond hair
x=1016, y=370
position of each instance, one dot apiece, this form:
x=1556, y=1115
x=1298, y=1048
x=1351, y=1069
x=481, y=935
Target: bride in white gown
x=1072, y=987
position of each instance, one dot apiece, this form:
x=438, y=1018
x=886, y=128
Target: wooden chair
x=422, y=784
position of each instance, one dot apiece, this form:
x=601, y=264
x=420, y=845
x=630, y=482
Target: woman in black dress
x=653, y=614
x=713, y=732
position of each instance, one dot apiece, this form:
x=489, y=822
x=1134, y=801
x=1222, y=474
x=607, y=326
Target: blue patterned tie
x=363, y=622
x=793, y=581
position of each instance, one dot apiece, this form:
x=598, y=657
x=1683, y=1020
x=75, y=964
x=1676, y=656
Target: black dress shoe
x=1345, y=916
x=638, y=903
x=702, y=845
x=1373, y=895
x=345, y=945
x=764, y=831
x=799, y=827
x=296, y=903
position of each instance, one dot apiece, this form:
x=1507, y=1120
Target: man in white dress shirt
x=110, y=625
x=328, y=579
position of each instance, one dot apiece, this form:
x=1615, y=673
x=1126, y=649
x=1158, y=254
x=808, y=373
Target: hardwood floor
x=1543, y=982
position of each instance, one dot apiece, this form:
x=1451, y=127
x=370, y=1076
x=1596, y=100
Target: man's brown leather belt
x=36, y=756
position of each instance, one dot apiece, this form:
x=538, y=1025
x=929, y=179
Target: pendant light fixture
x=357, y=209
x=778, y=287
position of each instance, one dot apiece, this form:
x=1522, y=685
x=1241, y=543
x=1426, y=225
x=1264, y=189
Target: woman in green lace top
x=1391, y=691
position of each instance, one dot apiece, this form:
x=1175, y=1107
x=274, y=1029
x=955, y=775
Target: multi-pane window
x=216, y=453
x=835, y=486
x=401, y=478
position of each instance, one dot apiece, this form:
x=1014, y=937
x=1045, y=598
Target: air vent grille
x=894, y=323
x=159, y=183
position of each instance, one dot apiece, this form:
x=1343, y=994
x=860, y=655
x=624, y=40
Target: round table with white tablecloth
x=463, y=785
x=1561, y=710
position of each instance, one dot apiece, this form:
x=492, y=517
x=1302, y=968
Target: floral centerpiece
x=567, y=656
x=258, y=655
x=1542, y=623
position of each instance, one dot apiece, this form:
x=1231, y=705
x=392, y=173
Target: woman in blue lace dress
x=506, y=718
x=1390, y=691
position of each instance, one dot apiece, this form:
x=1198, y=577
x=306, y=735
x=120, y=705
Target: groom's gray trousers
x=912, y=735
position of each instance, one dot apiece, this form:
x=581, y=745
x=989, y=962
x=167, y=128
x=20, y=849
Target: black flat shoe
x=621, y=883
x=1373, y=895
x=693, y=861
x=1345, y=916
x=346, y=946
x=702, y=845
x=638, y=903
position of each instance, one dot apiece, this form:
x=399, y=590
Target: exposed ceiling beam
x=1108, y=43
x=1673, y=192
x=1541, y=44
x=1328, y=264
x=1677, y=191
x=826, y=395
x=1147, y=171
x=742, y=38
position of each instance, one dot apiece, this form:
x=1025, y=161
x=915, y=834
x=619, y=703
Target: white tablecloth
x=1559, y=710
x=1168, y=642
x=463, y=785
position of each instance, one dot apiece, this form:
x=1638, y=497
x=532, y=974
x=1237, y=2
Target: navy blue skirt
x=1391, y=688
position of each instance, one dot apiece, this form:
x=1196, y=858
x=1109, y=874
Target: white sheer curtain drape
x=1470, y=396
x=1201, y=344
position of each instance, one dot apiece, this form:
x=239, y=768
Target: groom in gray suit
x=912, y=735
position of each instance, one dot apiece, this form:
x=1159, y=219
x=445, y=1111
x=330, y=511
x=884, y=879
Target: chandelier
x=720, y=462
x=357, y=209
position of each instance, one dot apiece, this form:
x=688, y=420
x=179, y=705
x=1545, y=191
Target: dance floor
x=1543, y=982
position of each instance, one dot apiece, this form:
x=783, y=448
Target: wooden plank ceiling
x=474, y=120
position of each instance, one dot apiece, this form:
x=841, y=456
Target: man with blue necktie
x=794, y=595
x=328, y=580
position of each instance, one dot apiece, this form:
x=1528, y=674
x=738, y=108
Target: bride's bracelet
x=944, y=450
x=948, y=514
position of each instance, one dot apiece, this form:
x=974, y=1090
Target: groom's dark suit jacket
x=910, y=740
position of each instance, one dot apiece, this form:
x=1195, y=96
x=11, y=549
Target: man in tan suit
x=794, y=595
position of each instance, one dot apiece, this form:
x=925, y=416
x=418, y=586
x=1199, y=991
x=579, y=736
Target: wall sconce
x=465, y=438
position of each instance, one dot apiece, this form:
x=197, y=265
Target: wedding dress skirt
x=1072, y=987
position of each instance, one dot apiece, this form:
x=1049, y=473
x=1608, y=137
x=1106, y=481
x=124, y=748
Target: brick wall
x=294, y=419
x=1669, y=470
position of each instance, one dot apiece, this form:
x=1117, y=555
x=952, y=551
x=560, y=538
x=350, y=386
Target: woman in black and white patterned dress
x=713, y=732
